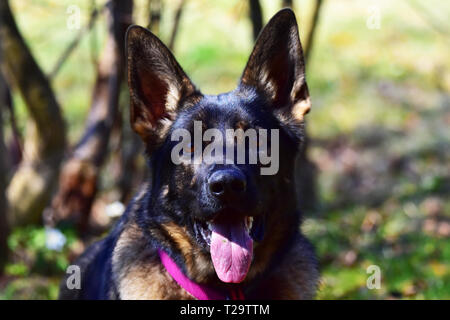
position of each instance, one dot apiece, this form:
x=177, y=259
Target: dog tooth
x=249, y=223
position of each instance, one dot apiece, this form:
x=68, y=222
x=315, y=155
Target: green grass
x=379, y=127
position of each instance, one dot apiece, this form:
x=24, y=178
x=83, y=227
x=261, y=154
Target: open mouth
x=230, y=243
x=203, y=230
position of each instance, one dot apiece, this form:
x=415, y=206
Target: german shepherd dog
x=223, y=225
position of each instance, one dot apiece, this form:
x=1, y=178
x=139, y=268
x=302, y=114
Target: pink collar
x=198, y=291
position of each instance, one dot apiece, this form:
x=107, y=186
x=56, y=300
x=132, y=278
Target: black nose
x=227, y=183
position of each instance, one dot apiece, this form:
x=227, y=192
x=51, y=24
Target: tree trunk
x=131, y=172
x=306, y=178
x=256, y=17
x=30, y=188
x=306, y=169
x=4, y=172
x=79, y=178
x=287, y=3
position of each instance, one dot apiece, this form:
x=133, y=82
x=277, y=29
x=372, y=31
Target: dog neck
x=198, y=291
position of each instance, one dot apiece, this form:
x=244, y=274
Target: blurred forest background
x=375, y=176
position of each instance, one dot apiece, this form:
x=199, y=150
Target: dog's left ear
x=157, y=84
x=276, y=67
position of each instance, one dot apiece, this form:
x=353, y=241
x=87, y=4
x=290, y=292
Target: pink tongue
x=231, y=251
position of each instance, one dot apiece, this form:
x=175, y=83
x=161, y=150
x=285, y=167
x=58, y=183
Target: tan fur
x=138, y=271
x=301, y=108
x=139, y=274
x=295, y=278
x=199, y=266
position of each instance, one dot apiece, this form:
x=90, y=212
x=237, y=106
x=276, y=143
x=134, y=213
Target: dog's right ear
x=276, y=68
x=157, y=84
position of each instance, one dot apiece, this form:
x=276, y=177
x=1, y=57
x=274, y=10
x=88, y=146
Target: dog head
x=230, y=211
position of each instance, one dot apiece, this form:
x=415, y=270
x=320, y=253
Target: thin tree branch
x=424, y=13
x=176, y=23
x=93, y=39
x=74, y=44
x=256, y=17
x=312, y=29
x=154, y=16
x=287, y=4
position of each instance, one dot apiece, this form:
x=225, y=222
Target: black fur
x=272, y=84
